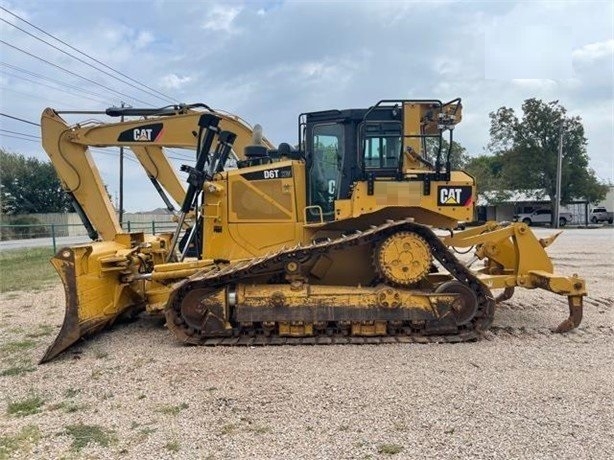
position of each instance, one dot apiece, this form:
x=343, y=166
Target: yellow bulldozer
x=335, y=240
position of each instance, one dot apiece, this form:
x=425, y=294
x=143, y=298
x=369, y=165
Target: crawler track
x=210, y=281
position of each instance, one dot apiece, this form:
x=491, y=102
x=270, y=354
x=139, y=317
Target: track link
x=273, y=264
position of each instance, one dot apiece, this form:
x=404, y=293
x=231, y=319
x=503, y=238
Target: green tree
x=528, y=150
x=28, y=185
x=458, y=154
x=488, y=173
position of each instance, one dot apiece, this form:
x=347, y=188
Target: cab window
x=326, y=164
x=382, y=145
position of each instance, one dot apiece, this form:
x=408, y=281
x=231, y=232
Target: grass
x=68, y=406
x=172, y=410
x=260, y=429
x=229, y=428
x=172, y=446
x=72, y=392
x=28, y=406
x=27, y=436
x=100, y=354
x=17, y=369
x=147, y=431
x=26, y=269
x=43, y=330
x=17, y=345
x=144, y=430
x=83, y=435
x=389, y=449
x=95, y=375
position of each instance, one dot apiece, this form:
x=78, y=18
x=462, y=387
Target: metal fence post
x=53, y=237
x=153, y=227
x=129, y=227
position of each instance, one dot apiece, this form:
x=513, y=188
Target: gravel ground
x=520, y=393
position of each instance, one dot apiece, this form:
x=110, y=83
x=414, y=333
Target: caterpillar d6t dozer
x=329, y=242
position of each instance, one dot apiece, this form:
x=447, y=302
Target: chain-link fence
x=30, y=228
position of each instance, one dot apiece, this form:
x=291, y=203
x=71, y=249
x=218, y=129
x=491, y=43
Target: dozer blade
x=95, y=297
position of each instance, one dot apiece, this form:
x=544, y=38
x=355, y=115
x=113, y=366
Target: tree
x=528, y=150
x=28, y=185
x=488, y=173
x=458, y=154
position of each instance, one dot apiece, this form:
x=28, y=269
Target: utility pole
x=121, y=179
x=559, y=167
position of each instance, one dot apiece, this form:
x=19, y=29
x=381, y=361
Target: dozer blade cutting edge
x=94, y=298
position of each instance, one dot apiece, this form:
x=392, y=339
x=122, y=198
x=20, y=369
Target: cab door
x=324, y=168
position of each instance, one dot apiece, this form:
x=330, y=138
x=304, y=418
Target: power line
x=100, y=97
x=81, y=60
x=48, y=86
x=88, y=56
x=21, y=138
x=19, y=119
x=36, y=96
x=21, y=134
x=73, y=73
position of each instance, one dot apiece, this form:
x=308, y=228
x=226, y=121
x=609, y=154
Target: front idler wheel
x=466, y=304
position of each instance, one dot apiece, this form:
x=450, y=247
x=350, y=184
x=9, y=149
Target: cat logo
x=142, y=134
x=450, y=195
x=454, y=196
x=145, y=133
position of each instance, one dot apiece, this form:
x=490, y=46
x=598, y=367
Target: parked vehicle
x=601, y=214
x=542, y=217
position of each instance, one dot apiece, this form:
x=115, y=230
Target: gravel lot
x=521, y=393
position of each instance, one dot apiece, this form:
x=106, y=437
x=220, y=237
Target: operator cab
x=344, y=146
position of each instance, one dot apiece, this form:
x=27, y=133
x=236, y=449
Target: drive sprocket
x=403, y=258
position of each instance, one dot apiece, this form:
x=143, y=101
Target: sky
x=269, y=61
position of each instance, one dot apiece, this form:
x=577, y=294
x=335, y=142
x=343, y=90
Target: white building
x=609, y=200
x=504, y=204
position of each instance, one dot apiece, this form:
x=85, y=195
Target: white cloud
x=534, y=84
x=528, y=51
x=220, y=18
x=447, y=66
x=173, y=81
x=314, y=70
x=594, y=51
x=143, y=39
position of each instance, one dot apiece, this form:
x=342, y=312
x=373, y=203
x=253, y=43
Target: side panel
x=259, y=211
x=447, y=203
